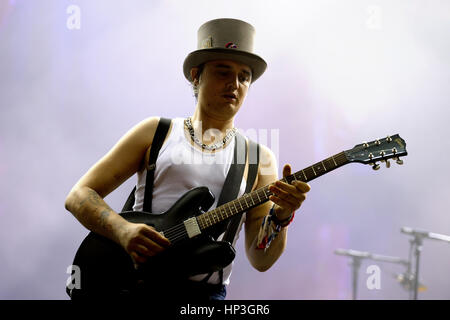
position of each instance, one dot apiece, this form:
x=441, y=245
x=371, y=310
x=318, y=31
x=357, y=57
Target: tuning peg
x=376, y=166
x=377, y=142
x=399, y=161
x=389, y=139
x=387, y=162
x=365, y=144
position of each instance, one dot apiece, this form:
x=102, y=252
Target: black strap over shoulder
x=160, y=134
x=158, y=139
x=231, y=187
x=253, y=150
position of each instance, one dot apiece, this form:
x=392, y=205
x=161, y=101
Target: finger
x=137, y=258
x=289, y=188
x=297, y=184
x=295, y=199
x=289, y=201
x=151, y=246
x=302, y=186
x=283, y=203
x=286, y=170
x=141, y=250
x=286, y=191
x=156, y=236
x=147, y=252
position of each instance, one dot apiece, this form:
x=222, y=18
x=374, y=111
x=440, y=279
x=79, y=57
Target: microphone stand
x=416, y=245
x=356, y=264
x=357, y=257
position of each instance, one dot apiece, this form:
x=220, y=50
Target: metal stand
x=356, y=264
x=358, y=256
x=409, y=280
x=417, y=243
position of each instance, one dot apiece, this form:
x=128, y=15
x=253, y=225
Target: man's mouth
x=230, y=97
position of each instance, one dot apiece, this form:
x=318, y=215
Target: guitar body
x=107, y=269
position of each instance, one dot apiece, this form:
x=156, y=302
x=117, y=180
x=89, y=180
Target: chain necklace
x=210, y=147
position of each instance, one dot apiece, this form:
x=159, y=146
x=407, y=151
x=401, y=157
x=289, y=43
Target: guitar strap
x=158, y=139
x=253, y=163
x=160, y=134
x=231, y=187
x=232, y=184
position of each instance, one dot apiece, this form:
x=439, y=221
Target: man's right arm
x=85, y=200
x=94, y=213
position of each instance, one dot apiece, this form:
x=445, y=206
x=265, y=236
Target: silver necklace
x=210, y=147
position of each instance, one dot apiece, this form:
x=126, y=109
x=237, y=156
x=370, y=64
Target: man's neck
x=206, y=122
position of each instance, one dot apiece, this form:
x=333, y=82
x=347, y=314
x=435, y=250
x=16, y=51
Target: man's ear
x=194, y=72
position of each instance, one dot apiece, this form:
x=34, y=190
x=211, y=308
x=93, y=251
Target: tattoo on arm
x=94, y=201
x=104, y=217
x=93, y=198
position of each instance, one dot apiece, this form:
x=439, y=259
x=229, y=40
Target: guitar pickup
x=192, y=227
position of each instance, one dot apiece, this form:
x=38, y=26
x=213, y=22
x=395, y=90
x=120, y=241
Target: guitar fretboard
x=261, y=195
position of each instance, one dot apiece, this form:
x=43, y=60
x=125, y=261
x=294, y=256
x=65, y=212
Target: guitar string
x=177, y=232
x=174, y=230
x=177, y=236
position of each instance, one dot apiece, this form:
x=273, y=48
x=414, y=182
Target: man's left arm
x=287, y=198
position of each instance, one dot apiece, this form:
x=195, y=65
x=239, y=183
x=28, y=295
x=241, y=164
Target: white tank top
x=181, y=167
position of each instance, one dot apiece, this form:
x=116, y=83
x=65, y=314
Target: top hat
x=225, y=39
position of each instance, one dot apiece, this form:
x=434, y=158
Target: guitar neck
x=261, y=195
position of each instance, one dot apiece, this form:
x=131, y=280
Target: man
x=221, y=71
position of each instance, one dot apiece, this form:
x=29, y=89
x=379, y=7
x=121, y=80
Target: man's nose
x=233, y=83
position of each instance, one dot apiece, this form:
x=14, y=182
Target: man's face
x=220, y=80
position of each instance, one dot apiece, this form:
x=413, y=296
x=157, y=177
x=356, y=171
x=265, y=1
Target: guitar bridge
x=192, y=227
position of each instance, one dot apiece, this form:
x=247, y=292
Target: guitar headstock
x=391, y=147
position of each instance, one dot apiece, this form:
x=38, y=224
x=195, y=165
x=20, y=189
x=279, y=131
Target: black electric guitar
x=106, y=267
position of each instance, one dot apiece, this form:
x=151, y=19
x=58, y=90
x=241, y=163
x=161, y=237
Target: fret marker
x=306, y=179
x=334, y=161
x=245, y=202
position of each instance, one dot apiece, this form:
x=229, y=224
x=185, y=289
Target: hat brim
x=196, y=58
